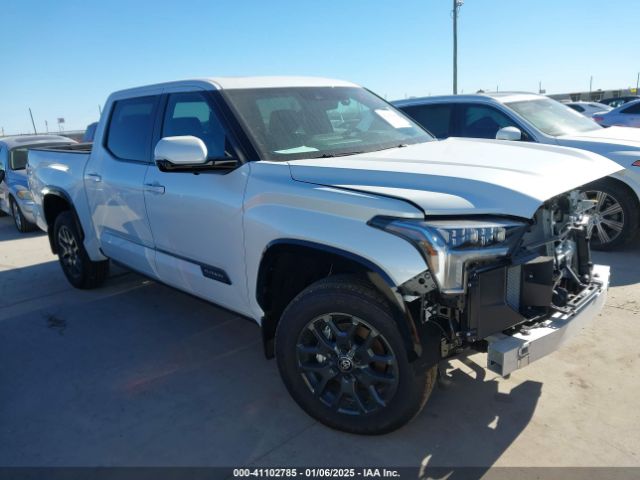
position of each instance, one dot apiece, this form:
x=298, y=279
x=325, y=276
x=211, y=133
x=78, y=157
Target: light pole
x=456, y=8
x=32, y=122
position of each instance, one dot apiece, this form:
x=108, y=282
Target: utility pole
x=32, y=122
x=456, y=8
x=46, y=126
x=590, y=86
x=638, y=83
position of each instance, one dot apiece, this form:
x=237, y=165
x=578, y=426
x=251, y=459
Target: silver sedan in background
x=589, y=109
x=627, y=115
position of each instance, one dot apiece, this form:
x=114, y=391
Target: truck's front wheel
x=343, y=360
x=79, y=269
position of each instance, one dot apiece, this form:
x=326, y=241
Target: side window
x=633, y=109
x=435, y=118
x=18, y=158
x=480, y=121
x=192, y=114
x=131, y=127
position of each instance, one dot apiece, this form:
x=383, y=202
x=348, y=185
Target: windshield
x=312, y=122
x=553, y=118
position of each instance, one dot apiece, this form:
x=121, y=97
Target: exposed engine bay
x=548, y=269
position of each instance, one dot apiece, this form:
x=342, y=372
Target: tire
x=615, y=215
x=79, y=269
x=22, y=224
x=345, y=313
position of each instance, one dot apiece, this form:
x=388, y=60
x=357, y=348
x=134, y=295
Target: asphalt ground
x=138, y=374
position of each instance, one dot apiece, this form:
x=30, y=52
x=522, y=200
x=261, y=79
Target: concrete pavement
x=138, y=374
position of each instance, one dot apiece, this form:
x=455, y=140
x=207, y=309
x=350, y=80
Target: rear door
x=196, y=217
x=114, y=178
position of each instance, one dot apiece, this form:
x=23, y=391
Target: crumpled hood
x=462, y=176
x=616, y=137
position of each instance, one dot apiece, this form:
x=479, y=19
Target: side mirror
x=181, y=151
x=2, y=176
x=509, y=133
x=188, y=154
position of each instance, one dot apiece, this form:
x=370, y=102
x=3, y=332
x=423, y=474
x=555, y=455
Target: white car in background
x=627, y=115
x=528, y=117
x=589, y=109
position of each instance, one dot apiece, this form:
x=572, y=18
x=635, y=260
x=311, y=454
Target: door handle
x=94, y=176
x=154, y=187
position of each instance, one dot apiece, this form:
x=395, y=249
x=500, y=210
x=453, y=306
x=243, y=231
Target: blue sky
x=62, y=58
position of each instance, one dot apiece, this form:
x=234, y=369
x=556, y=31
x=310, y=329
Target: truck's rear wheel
x=344, y=362
x=79, y=269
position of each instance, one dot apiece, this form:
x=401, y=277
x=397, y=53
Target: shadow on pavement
x=625, y=264
x=150, y=376
x=9, y=231
x=483, y=421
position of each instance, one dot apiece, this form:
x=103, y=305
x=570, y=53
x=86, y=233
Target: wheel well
x=287, y=269
x=623, y=186
x=52, y=206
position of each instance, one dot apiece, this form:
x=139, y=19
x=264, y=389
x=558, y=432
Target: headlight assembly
x=448, y=244
x=24, y=195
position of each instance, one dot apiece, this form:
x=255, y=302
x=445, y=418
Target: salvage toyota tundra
x=366, y=250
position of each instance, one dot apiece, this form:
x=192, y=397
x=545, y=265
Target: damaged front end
x=504, y=286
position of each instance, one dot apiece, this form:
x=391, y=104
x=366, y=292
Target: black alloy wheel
x=347, y=364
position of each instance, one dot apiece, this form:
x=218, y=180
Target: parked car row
x=589, y=109
x=627, y=115
x=531, y=118
x=615, y=102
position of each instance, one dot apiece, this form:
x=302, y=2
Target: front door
x=196, y=217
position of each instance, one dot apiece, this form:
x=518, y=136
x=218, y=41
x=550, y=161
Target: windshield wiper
x=400, y=145
x=344, y=154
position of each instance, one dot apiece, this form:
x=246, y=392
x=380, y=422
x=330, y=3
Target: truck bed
x=72, y=148
x=58, y=169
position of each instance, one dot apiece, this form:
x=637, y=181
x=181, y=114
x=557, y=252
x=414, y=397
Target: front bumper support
x=507, y=353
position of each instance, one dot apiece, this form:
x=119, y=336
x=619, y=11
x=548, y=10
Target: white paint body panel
x=198, y=220
x=228, y=220
x=459, y=176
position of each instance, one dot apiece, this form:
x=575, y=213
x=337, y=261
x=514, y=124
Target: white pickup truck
x=366, y=250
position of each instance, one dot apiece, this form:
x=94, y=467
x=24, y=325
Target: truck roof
x=29, y=140
x=229, y=83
